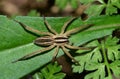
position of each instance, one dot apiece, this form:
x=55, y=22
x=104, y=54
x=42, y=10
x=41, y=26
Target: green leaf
x=112, y=48
x=116, y=3
x=61, y=3
x=87, y=56
x=97, y=60
x=99, y=72
x=74, y=3
x=50, y=72
x=16, y=42
x=110, y=9
x=115, y=67
x=86, y=1
x=39, y=0
x=102, y=27
x=33, y=13
x=92, y=11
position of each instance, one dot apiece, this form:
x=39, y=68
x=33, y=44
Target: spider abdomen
x=44, y=41
x=48, y=40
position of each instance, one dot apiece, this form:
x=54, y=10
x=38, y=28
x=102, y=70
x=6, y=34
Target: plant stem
x=105, y=58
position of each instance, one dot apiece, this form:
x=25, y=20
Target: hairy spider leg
x=55, y=53
x=33, y=30
x=69, y=55
x=76, y=47
x=49, y=27
x=66, y=24
x=75, y=30
x=35, y=53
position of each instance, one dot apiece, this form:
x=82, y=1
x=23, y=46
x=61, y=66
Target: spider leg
x=69, y=55
x=33, y=30
x=35, y=53
x=66, y=24
x=49, y=27
x=55, y=53
x=76, y=47
x=75, y=30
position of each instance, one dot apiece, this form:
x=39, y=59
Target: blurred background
x=41, y=7
x=59, y=7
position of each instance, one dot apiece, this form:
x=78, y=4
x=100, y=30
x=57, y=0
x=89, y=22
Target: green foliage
x=39, y=0
x=33, y=13
x=62, y=3
x=101, y=61
x=51, y=71
x=110, y=7
x=16, y=42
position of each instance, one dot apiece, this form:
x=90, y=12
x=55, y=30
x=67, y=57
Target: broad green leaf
x=51, y=71
x=16, y=42
x=102, y=27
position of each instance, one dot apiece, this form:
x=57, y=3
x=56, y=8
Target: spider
x=54, y=40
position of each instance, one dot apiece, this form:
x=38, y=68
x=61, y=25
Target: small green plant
x=103, y=61
x=107, y=7
x=51, y=71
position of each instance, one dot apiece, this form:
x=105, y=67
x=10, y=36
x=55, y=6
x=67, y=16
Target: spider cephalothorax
x=54, y=40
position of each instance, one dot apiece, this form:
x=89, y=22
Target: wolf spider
x=54, y=40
